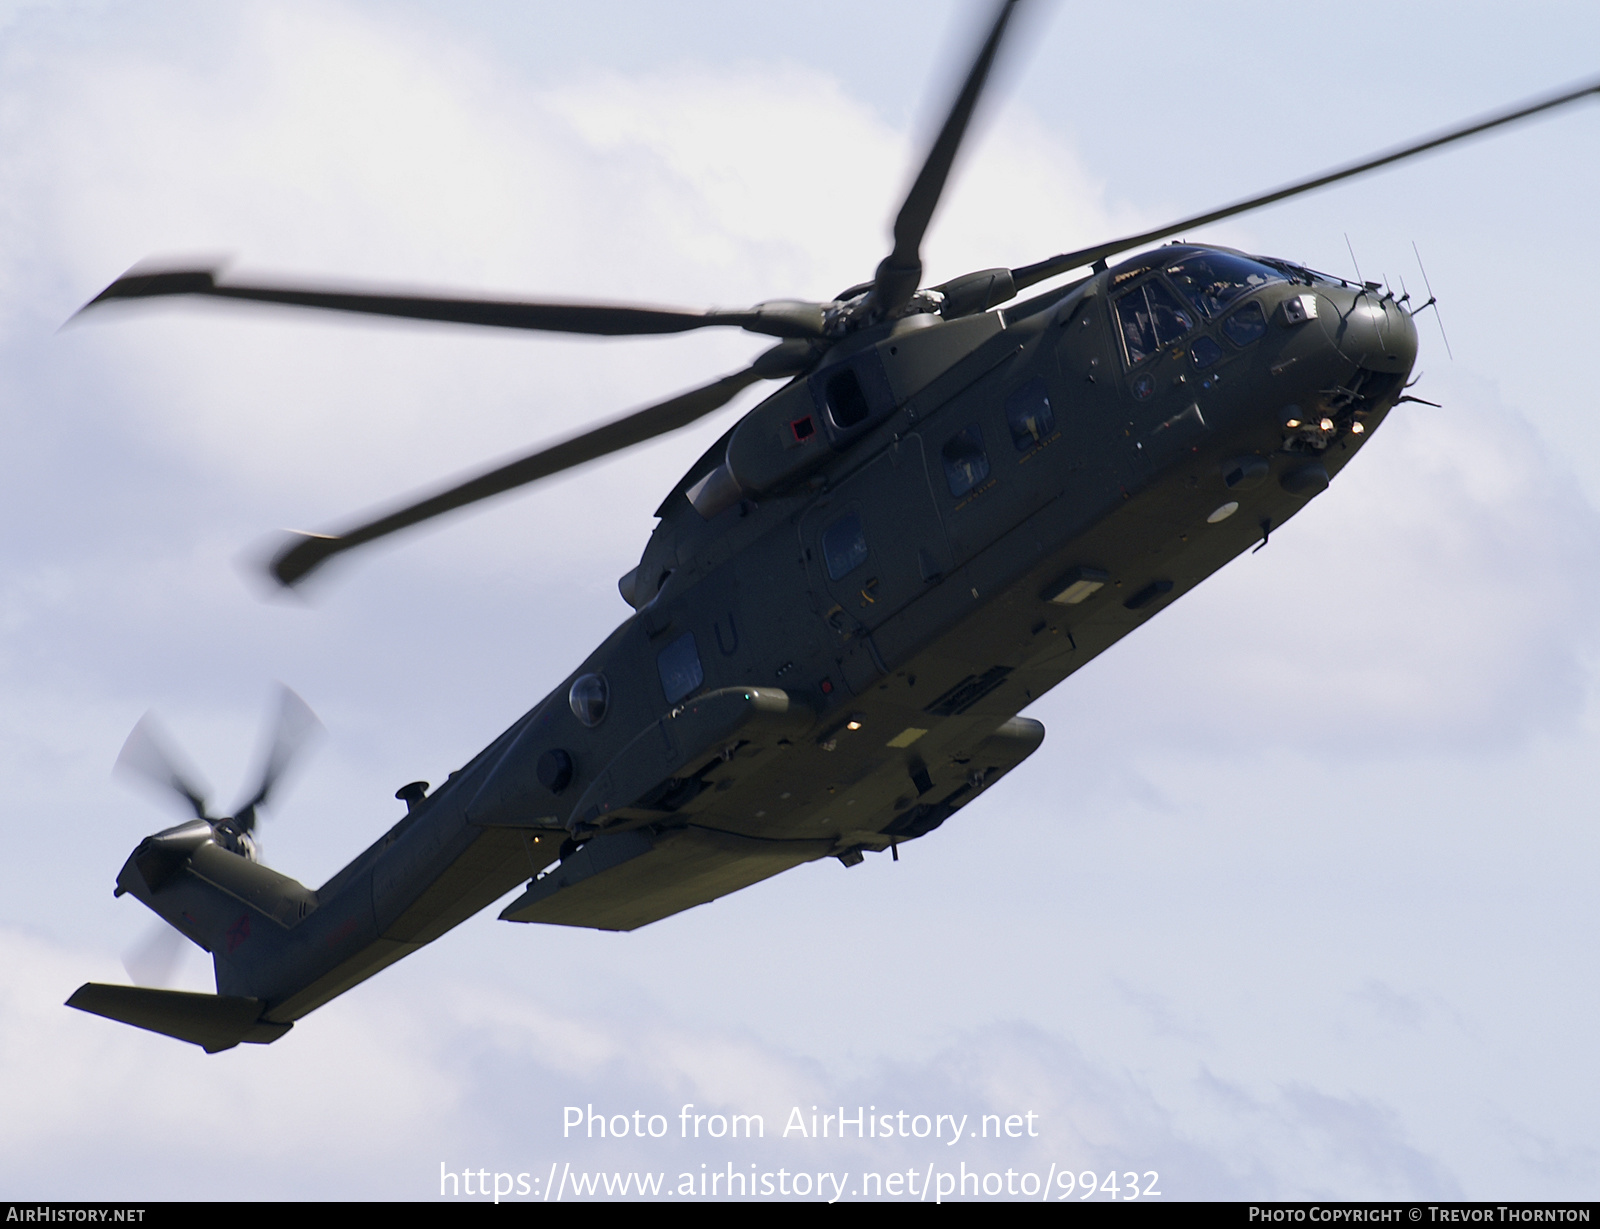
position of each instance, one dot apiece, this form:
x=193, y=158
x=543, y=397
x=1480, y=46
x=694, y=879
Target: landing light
x=1356, y=428
x=1078, y=585
x=1292, y=423
x=1326, y=424
x=852, y=725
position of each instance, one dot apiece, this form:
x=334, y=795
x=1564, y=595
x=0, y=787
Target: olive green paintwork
x=950, y=507
x=843, y=717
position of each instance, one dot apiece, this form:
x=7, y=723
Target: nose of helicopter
x=1371, y=330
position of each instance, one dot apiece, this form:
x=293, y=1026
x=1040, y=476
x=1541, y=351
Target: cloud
x=364, y=1101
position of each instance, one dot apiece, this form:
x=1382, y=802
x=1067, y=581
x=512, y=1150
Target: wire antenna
x=1359, y=280
x=1433, y=302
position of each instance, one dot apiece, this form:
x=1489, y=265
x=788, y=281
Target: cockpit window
x=1300, y=273
x=1151, y=317
x=1212, y=280
x=1246, y=325
x=1204, y=352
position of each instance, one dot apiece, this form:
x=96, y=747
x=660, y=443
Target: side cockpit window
x=1150, y=317
x=1204, y=352
x=1246, y=325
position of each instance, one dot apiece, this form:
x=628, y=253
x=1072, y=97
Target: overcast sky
x=1296, y=900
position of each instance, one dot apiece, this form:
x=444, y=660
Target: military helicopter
x=954, y=501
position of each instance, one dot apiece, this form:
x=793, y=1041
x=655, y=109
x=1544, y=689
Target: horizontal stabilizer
x=212, y=1021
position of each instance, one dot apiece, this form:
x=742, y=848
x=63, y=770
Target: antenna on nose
x=1433, y=302
x=1360, y=281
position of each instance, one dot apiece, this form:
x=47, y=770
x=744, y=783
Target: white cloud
x=365, y=1099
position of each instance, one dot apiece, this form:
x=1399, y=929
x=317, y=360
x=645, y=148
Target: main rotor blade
x=780, y=318
x=305, y=551
x=296, y=725
x=1029, y=275
x=900, y=273
x=146, y=755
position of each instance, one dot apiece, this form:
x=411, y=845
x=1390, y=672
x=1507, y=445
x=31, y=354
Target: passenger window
x=588, y=699
x=1246, y=325
x=844, y=546
x=1029, y=416
x=965, y=462
x=679, y=664
x=1151, y=317
x=1212, y=280
x=1204, y=352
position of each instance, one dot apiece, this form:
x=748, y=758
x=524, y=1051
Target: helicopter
x=954, y=501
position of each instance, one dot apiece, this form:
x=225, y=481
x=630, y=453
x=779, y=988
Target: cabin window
x=965, y=462
x=1151, y=317
x=1029, y=415
x=1212, y=280
x=679, y=664
x=844, y=546
x=588, y=697
x=1246, y=325
x=1204, y=352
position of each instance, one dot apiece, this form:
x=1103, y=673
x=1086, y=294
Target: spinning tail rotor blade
x=1029, y=275
x=145, y=755
x=304, y=551
x=296, y=726
x=153, y=960
x=900, y=273
x=779, y=318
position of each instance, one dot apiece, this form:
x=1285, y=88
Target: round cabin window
x=588, y=699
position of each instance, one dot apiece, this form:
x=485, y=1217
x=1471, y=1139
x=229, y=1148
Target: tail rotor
x=147, y=756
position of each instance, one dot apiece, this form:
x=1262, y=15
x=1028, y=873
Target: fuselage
x=1139, y=431
x=850, y=598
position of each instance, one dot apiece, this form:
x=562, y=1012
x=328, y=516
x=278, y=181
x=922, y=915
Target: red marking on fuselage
x=343, y=933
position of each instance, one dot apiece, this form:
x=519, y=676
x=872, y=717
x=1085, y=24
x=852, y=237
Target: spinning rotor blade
x=900, y=272
x=1029, y=275
x=145, y=755
x=296, y=725
x=305, y=551
x=780, y=318
x=154, y=958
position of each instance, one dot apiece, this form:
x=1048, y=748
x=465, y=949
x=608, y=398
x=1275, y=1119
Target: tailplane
x=212, y=1021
